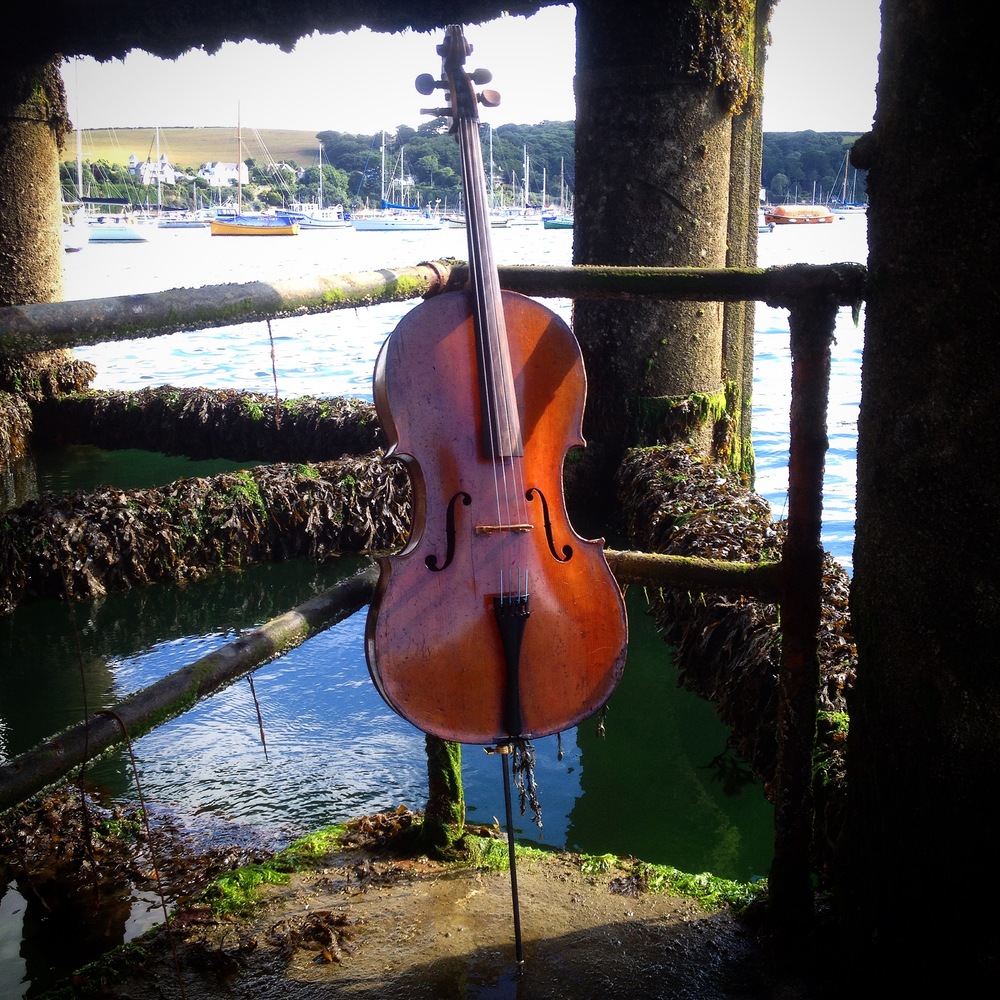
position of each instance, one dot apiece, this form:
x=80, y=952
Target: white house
x=152, y=171
x=221, y=175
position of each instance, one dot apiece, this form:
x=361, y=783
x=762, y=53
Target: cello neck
x=498, y=402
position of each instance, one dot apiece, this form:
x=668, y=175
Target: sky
x=363, y=81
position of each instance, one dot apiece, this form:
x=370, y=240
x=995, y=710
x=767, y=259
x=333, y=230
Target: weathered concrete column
x=746, y=161
x=657, y=86
x=33, y=124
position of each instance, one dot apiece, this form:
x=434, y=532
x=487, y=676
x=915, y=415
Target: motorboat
x=782, y=215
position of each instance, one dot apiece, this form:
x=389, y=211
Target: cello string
x=477, y=270
x=506, y=402
x=501, y=406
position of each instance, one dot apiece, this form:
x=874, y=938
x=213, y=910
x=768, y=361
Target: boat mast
x=382, y=206
x=79, y=141
x=239, y=171
x=79, y=161
x=525, y=178
x=159, y=175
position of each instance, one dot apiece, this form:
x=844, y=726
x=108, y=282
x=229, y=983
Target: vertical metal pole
x=811, y=321
x=518, y=953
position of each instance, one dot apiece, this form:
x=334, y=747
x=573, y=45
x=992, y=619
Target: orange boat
x=798, y=214
x=254, y=225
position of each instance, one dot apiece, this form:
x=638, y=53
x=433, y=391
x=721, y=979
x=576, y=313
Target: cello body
x=497, y=621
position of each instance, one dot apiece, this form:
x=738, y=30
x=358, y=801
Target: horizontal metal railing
x=46, y=326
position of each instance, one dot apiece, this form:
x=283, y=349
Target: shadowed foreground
x=363, y=923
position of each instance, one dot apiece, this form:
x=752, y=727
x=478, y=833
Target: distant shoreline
x=193, y=145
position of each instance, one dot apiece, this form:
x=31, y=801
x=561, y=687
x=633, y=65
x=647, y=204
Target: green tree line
x=811, y=167
x=422, y=167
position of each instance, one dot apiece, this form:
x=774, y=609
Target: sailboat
x=253, y=225
x=118, y=228
x=174, y=218
x=114, y=224
x=393, y=217
x=527, y=216
x=563, y=220
x=74, y=228
x=499, y=217
x=315, y=216
x=847, y=206
x=797, y=215
x=250, y=225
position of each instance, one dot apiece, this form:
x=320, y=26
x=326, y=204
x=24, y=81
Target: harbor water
x=659, y=785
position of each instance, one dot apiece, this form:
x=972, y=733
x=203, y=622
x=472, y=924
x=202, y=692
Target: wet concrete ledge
x=84, y=544
x=212, y=423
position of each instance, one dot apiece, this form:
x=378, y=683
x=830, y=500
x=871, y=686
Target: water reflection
x=67, y=921
x=335, y=750
x=86, y=653
x=661, y=777
x=67, y=468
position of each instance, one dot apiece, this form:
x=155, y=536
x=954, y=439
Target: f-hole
x=431, y=562
x=567, y=550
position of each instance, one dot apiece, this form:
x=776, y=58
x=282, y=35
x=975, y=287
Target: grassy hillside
x=191, y=147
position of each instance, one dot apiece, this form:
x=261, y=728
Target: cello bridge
x=492, y=529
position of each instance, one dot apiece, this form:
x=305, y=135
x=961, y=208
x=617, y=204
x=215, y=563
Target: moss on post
x=703, y=420
x=15, y=428
x=444, y=816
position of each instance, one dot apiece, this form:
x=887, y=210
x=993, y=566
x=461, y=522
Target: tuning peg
x=490, y=98
x=480, y=76
x=426, y=84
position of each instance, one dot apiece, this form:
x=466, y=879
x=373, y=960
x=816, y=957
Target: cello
x=496, y=622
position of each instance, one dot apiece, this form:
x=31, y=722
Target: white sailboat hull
x=115, y=232
x=397, y=223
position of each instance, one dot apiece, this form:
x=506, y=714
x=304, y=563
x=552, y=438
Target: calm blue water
x=334, y=750
x=845, y=240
